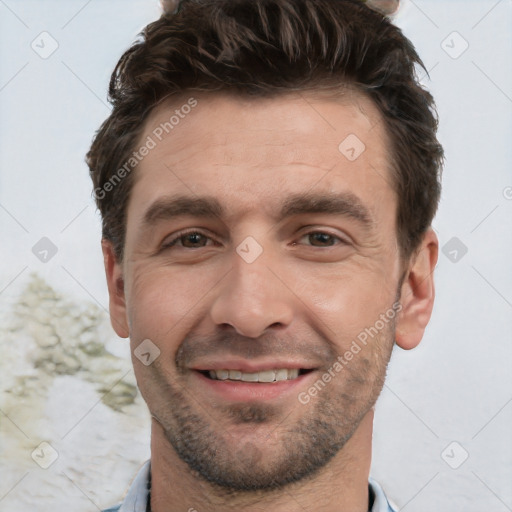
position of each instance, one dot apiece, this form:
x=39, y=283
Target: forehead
x=254, y=151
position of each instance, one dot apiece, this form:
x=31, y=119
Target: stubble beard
x=297, y=451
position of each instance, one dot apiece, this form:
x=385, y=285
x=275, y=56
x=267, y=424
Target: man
x=267, y=181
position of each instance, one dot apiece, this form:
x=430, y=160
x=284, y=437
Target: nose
x=252, y=298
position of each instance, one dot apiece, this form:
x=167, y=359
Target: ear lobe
x=417, y=293
x=115, y=283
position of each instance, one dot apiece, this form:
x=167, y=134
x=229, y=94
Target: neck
x=341, y=486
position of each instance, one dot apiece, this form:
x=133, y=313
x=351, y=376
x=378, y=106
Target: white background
x=455, y=387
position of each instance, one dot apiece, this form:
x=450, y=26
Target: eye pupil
x=193, y=240
x=321, y=239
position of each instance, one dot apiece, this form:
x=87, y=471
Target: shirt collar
x=380, y=503
x=137, y=498
x=138, y=494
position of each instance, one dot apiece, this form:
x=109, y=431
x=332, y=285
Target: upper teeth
x=264, y=376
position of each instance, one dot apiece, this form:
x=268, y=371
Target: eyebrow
x=169, y=207
x=345, y=204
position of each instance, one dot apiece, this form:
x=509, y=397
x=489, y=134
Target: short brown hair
x=268, y=47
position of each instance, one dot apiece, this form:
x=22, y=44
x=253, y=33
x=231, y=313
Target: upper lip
x=250, y=366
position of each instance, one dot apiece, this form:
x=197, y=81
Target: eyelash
x=183, y=234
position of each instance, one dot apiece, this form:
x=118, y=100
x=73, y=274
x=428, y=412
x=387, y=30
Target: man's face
x=254, y=243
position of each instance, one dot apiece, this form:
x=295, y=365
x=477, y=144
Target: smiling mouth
x=266, y=376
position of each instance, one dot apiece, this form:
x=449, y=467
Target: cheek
x=164, y=303
x=347, y=301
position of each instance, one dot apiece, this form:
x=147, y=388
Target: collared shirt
x=137, y=497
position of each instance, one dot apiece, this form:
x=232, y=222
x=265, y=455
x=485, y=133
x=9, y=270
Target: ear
x=417, y=293
x=115, y=283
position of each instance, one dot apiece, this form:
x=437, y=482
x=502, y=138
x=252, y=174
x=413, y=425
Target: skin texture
x=321, y=279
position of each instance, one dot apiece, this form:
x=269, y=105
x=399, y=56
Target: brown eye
x=321, y=239
x=188, y=240
x=193, y=240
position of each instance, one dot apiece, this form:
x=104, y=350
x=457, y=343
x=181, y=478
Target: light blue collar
x=137, y=497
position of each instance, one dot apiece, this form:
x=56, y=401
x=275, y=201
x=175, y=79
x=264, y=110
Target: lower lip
x=239, y=391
